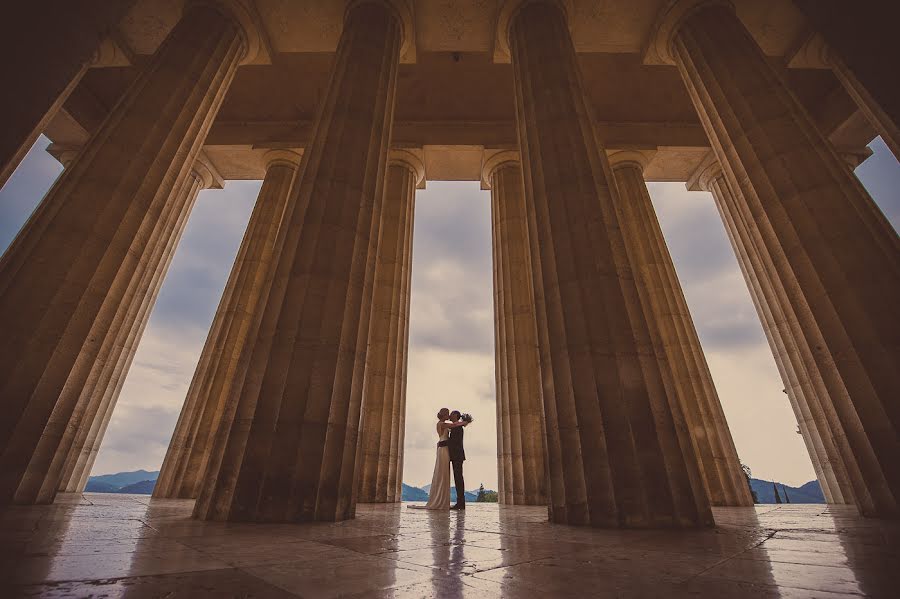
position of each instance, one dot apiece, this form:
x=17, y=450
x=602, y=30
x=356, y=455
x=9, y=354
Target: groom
x=457, y=457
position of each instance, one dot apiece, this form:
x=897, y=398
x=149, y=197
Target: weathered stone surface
x=672, y=331
x=80, y=259
x=61, y=40
x=131, y=545
x=290, y=452
x=186, y=459
x=835, y=254
x=619, y=454
x=111, y=367
x=806, y=390
x=520, y=413
x=384, y=398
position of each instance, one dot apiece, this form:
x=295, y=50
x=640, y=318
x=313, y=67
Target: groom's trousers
x=459, y=482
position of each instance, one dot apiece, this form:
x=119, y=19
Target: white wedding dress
x=439, y=493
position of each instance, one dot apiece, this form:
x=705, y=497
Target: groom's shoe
x=459, y=506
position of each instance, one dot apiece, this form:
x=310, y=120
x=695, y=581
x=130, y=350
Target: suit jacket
x=455, y=444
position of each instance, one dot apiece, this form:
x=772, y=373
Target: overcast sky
x=451, y=360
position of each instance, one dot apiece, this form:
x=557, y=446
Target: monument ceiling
x=454, y=96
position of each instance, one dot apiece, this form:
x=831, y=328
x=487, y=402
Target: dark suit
x=457, y=457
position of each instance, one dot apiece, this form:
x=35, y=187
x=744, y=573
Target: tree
x=480, y=493
x=747, y=474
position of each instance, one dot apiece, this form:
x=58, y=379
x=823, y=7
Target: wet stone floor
x=97, y=545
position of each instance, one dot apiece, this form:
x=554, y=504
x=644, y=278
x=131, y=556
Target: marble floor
x=97, y=545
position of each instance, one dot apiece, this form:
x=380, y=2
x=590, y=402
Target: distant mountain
x=809, y=492
x=421, y=494
x=145, y=487
x=96, y=486
x=413, y=493
x=121, y=479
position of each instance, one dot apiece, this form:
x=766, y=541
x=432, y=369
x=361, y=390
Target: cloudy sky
x=451, y=360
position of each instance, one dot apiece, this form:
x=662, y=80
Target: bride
x=439, y=492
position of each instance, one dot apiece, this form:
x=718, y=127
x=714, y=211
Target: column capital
x=206, y=171
x=508, y=10
x=638, y=158
x=708, y=170
x=491, y=162
x=409, y=158
x=257, y=49
x=289, y=157
x=658, y=47
x=403, y=10
x=63, y=153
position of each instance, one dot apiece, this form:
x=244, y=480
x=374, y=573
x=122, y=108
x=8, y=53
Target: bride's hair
x=439, y=414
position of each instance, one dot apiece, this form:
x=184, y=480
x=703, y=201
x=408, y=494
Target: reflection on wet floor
x=128, y=545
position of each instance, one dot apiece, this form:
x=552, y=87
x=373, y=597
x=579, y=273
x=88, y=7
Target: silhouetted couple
x=450, y=430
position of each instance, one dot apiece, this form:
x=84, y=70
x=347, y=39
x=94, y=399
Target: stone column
x=806, y=390
x=383, y=416
x=839, y=261
x=48, y=46
x=862, y=46
x=519, y=401
x=674, y=335
x=881, y=120
x=78, y=450
x=71, y=268
x=504, y=456
x=398, y=432
x=188, y=453
x=290, y=453
x=619, y=452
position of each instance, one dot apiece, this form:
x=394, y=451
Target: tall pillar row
x=838, y=260
x=384, y=403
x=290, y=452
x=75, y=263
x=672, y=330
x=619, y=452
x=520, y=416
x=804, y=385
x=62, y=39
x=188, y=452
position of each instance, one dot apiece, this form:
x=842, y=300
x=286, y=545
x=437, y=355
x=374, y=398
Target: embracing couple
x=450, y=429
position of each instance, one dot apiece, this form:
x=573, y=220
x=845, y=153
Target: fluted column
x=519, y=395
x=674, y=335
x=383, y=409
x=75, y=457
x=806, y=390
x=60, y=39
x=837, y=257
x=290, y=453
x=504, y=456
x=73, y=266
x=398, y=430
x=188, y=453
x=618, y=449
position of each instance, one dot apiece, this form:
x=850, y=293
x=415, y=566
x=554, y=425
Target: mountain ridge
x=143, y=481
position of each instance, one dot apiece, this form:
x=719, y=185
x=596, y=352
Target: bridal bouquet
x=466, y=418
